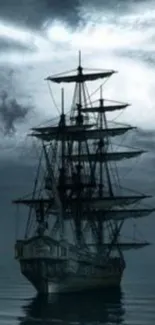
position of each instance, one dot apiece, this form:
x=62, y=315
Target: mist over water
x=133, y=304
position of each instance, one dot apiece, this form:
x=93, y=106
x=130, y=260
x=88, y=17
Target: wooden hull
x=52, y=268
x=79, y=284
x=71, y=282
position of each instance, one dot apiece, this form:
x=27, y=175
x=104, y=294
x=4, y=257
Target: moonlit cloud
x=107, y=38
x=58, y=32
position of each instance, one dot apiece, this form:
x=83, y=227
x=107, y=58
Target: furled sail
x=94, y=203
x=119, y=214
x=123, y=246
x=107, y=215
x=66, y=133
x=103, y=109
x=105, y=156
x=109, y=202
x=81, y=77
x=34, y=202
x=67, y=128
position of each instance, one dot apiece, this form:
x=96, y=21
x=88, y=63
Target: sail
x=123, y=246
x=105, y=108
x=67, y=128
x=34, y=202
x=107, y=215
x=118, y=215
x=105, y=203
x=81, y=77
x=109, y=156
x=94, y=203
x=109, y=202
x=65, y=133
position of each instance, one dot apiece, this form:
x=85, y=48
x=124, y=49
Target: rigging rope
x=98, y=88
x=62, y=73
x=114, y=119
x=17, y=222
x=53, y=99
x=33, y=195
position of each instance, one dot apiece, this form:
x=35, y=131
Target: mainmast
x=62, y=172
x=101, y=145
x=62, y=124
x=79, y=167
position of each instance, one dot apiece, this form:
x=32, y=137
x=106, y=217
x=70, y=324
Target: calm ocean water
x=134, y=304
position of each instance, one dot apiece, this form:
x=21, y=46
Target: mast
x=79, y=122
x=101, y=146
x=62, y=174
x=62, y=167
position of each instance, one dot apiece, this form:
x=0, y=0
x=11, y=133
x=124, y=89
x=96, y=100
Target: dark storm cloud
x=11, y=113
x=14, y=107
x=7, y=44
x=36, y=12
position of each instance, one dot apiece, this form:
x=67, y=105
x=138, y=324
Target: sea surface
x=133, y=304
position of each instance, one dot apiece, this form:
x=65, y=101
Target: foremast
x=81, y=189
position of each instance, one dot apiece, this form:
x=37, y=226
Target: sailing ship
x=78, y=212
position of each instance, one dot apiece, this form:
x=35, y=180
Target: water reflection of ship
x=104, y=307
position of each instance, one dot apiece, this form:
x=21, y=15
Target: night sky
x=42, y=37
